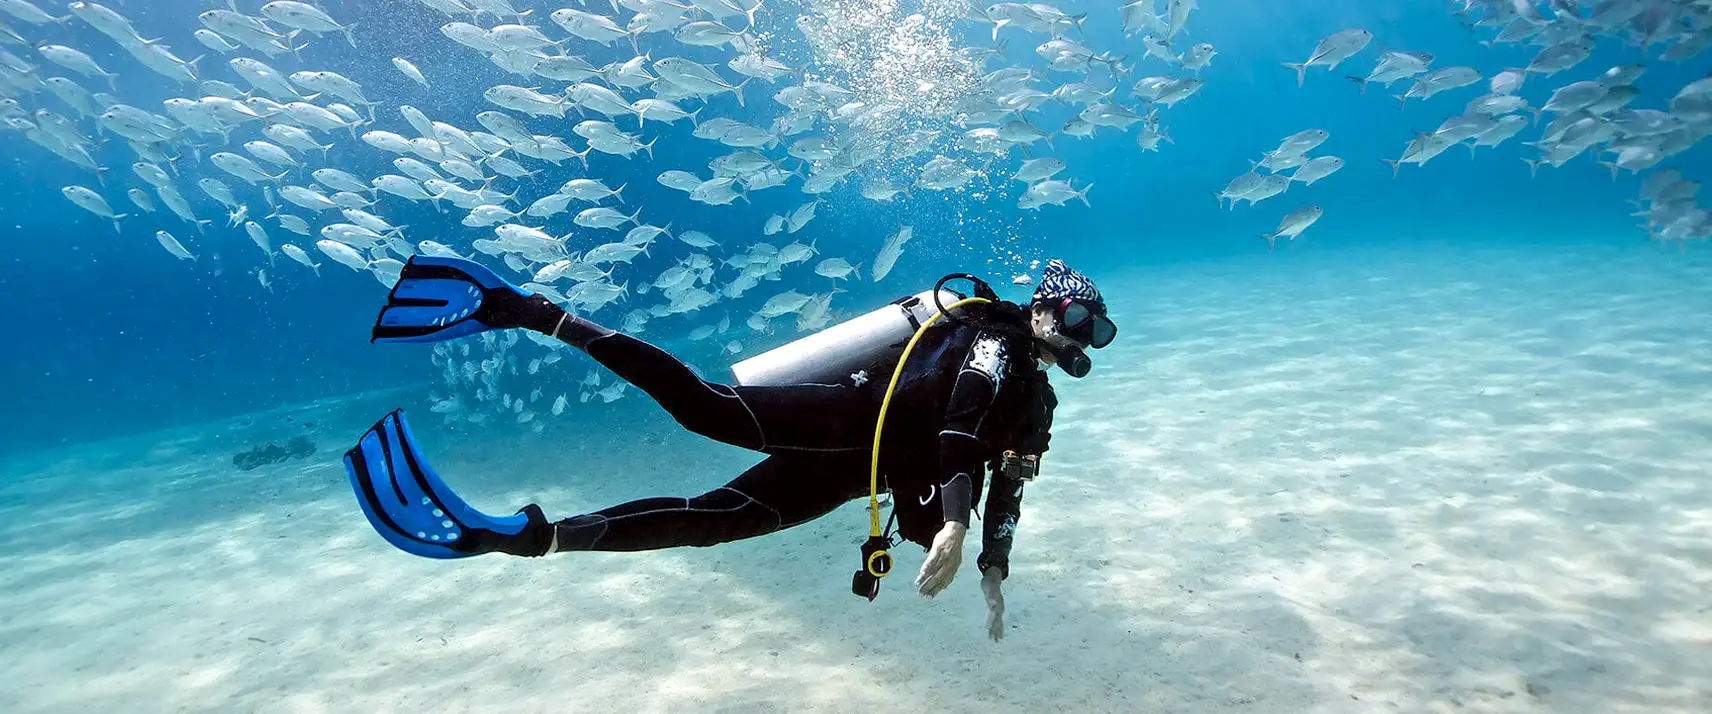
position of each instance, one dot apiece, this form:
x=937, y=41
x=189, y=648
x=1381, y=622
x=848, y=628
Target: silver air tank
x=833, y=354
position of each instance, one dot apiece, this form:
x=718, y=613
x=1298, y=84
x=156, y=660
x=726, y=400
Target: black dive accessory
x=1071, y=359
x=982, y=291
x=876, y=563
x=1085, y=322
x=1019, y=467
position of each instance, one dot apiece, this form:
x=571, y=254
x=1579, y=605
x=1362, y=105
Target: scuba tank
x=831, y=355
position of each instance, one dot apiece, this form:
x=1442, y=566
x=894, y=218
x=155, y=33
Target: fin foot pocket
x=415, y=511
x=438, y=299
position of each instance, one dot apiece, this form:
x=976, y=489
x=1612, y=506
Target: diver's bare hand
x=943, y=559
x=990, y=581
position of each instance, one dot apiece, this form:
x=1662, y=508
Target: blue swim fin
x=439, y=299
x=417, y=512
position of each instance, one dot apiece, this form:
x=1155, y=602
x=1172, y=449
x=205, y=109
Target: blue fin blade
x=406, y=501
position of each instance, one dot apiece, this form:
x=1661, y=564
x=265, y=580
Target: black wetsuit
x=967, y=395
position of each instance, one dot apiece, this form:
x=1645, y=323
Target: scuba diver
x=964, y=397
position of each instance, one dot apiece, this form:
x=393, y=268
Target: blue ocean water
x=114, y=332
x=1445, y=451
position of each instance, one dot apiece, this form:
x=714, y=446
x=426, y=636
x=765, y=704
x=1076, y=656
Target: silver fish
x=172, y=246
x=890, y=251
x=1331, y=50
x=1293, y=224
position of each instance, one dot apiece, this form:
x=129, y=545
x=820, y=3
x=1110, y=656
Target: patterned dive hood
x=1061, y=281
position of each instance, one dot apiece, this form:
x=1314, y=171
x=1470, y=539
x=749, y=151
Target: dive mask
x=1084, y=321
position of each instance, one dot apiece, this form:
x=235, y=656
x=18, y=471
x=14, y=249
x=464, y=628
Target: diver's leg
x=780, y=492
x=412, y=508
x=798, y=417
x=809, y=417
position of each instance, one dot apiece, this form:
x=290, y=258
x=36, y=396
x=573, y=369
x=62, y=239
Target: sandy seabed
x=1418, y=480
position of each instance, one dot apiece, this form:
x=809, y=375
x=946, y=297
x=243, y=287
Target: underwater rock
x=297, y=448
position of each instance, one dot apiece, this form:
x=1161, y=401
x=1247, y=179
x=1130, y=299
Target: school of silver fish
x=891, y=101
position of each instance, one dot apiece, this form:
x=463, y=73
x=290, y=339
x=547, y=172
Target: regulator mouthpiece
x=1071, y=359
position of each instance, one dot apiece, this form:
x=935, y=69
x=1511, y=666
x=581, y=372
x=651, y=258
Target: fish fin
x=1394, y=164
x=292, y=46
x=737, y=91
x=353, y=40
x=1301, y=70
x=1533, y=167
x=1359, y=82
x=1083, y=194
x=192, y=68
